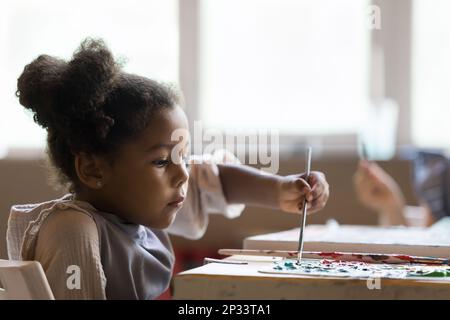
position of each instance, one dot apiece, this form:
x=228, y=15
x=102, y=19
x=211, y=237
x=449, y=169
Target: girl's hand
x=376, y=189
x=294, y=189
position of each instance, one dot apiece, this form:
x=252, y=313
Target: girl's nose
x=182, y=175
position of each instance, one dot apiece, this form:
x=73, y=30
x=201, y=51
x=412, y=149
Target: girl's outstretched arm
x=250, y=186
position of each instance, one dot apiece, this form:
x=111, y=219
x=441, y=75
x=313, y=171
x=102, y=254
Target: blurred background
x=325, y=73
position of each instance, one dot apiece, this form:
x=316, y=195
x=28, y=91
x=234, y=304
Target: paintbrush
x=364, y=155
x=341, y=256
x=305, y=208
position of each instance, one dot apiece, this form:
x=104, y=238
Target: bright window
x=300, y=66
x=431, y=73
x=145, y=32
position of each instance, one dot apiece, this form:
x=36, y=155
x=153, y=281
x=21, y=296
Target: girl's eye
x=161, y=163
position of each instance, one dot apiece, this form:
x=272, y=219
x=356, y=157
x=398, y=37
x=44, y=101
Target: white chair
x=23, y=280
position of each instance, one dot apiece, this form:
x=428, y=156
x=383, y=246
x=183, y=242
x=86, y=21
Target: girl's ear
x=92, y=171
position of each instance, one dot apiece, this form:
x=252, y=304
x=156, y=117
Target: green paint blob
x=290, y=265
x=435, y=273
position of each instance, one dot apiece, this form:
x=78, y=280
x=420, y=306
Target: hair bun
x=70, y=94
x=37, y=86
x=90, y=75
x=89, y=79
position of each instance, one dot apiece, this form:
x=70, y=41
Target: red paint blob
x=406, y=258
x=333, y=255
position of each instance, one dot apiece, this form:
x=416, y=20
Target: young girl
x=109, y=138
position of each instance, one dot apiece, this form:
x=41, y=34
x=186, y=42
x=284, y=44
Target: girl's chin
x=166, y=220
x=170, y=220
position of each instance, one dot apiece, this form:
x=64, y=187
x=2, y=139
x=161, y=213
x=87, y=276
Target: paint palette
x=351, y=269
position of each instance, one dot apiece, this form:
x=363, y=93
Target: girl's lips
x=177, y=203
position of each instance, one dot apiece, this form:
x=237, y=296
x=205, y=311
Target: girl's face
x=147, y=185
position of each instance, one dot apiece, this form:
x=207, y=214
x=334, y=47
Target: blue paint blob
x=278, y=268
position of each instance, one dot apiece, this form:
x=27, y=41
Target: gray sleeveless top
x=137, y=261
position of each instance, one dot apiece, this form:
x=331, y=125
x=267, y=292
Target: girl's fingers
x=316, y=178
x=319, y=201
x=300, y=206
x=313, y=206
x=304, y=188
x=313, y=179
x=314, y=189
x=317, y=204
x=302, y=184
x=318, y=184
x=318, y=189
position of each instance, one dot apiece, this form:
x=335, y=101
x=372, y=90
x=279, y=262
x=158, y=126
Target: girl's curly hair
x=88, y=104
